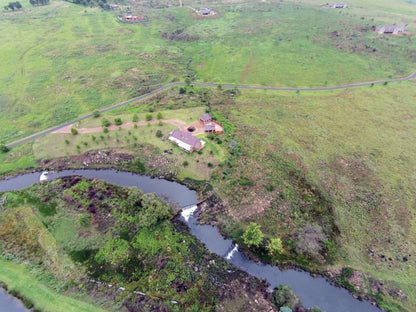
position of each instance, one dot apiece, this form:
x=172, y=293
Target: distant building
x=112, y=6
x=210, y=125
x=186, y=141
x=206, y=11
x=131, y=18
x=336, y=5
x=391, y=29
x=205, y=118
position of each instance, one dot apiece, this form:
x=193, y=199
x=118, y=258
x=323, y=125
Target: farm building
x=130, y=18
x=112, y=6
x=210, y=125
x=391, y=29
x=205, y=118
x=336, y=5
x=206, y=11
x=186, y=141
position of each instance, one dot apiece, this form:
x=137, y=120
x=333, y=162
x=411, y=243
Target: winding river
x=313, y=291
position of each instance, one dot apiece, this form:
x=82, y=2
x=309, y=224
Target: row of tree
x=39, y=2
x=13, y=6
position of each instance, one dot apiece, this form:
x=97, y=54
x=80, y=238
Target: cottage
x=130, y=18
x=186, y=141
x=206, y=11
x=112, y=6
x=337, y=5
x=391, y=29
x=205, y=118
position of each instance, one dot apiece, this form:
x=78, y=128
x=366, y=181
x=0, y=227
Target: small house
x=206, y=11
x=113, y=6
x=186, y=141
x=130, y=18
x=205, y=118
x=391, y=29
x=337, y=5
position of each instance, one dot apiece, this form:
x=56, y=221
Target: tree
x=74, y=131
x=118, y=121
x=159, y=133
x=96, y=114
x=253, y=235
x=274, y=246
x=149, y=117
x=283, y=295
x=188, y=81
x=159, y=116
x=309, y=241
x=105, y=122
x=135, y=118
x=4, y=148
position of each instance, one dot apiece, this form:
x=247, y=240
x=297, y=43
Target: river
x=313, y=291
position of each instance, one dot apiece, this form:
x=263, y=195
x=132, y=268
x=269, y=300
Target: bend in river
x=312, y=291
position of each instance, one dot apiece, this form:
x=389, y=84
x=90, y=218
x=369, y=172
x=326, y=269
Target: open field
x=68, y=61
x=353, y=151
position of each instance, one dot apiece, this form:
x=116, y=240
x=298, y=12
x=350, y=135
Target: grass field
x=69, y=60
x=357, y=149
x=19, y=278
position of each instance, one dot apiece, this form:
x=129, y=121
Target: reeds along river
x=313, y=291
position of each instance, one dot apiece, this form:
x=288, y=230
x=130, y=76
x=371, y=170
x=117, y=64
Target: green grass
x=356, y=148
x=79, y=59
x=18, y=277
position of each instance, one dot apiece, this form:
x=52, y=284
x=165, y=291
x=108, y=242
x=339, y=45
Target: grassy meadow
x=344, y=160
x=62, y=61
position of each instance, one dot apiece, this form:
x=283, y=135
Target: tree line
x=13, y=6
x=39, y=2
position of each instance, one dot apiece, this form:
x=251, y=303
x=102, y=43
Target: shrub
x=74, y=131
x=118, y=121
x=66, y=141
x=182, y=90
x=105, y=129
x=151, y=109
x=149, y=117
x=253, y=235
x=135, y=118
x=4, y=148
x=105, y=122
x=159, y=134
x=274, y=246
x=210, y=165
x=185, y=163
x=159, y=115
x=283, y=296
x=96, y=114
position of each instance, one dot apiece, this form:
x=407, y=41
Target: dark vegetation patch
x=180, y=35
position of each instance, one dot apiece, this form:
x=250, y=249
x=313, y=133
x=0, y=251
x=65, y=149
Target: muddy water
x=312, y=291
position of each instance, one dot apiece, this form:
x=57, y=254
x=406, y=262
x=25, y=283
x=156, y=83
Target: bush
x=283, y=296
x=253, y=235
x=185, y=163
x=118, y=121
x=182, y=90
x=96, y=114
x=105, y=129
x=4, y=148
x=159, y=134
x=149, y=117
x=210, y=165
x=159, y=115
x=105, y=122
x=74, y=131
x=135, y=118
x=66, y=141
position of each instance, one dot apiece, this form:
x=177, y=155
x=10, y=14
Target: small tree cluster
x=4, y=148
x=39, y=2
x=13, y=6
